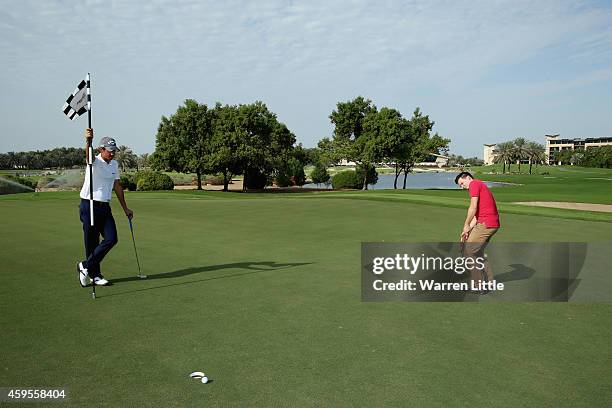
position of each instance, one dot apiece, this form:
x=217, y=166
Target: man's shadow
x=251, y=267
x=518, y=272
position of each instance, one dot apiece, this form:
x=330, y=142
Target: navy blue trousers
x=104, y=225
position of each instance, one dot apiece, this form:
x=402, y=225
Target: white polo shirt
x=104, y=176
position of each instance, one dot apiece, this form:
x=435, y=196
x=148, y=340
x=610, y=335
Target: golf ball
x=204, y=380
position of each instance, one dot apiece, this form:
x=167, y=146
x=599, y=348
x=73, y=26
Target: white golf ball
x=204, y=380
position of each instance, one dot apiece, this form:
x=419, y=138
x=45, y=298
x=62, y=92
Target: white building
x=489, y=154
x=434, y=160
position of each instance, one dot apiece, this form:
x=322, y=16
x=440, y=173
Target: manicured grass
x=262, y=292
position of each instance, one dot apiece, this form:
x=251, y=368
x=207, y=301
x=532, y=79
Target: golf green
x=262, y=293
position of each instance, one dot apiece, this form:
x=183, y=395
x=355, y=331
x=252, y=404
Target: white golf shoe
x=100, y=281
x=81, y=274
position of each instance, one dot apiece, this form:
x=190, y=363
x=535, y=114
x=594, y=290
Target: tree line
x=460, y=161
x=65, y=158
x=600, y=156
x=61, y=158
x=249, y=140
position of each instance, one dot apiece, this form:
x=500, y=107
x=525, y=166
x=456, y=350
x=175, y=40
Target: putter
x=140, y=275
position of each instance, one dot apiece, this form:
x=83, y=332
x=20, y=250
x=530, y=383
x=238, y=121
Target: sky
x=484, y=71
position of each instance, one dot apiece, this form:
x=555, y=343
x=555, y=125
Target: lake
x=441, y=180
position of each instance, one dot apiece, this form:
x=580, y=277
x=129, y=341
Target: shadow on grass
x=518, y=272
x=252, y=267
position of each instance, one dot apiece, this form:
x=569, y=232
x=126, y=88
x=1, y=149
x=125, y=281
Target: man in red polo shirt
x=481, y=223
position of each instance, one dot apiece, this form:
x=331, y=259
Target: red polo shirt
x=486, y=212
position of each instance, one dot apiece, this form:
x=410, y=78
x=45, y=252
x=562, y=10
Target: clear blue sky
x=485, y=71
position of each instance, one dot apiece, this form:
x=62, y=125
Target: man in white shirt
x=105, y=180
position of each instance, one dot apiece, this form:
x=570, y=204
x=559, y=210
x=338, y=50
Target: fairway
x=262, y=293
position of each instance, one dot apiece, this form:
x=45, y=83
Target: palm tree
x=142, y=161
x=504, y=153
x=520, y=150
x=535, y=153
x=125, y=157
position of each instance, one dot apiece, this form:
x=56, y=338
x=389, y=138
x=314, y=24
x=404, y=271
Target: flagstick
x=90, y=154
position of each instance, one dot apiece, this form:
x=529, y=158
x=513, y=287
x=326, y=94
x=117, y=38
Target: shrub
x=319, y=174
x=283, y=179
x=296, y=172
x=153, y=180
x=25, y=181
x=291, y=174
x=597, y=157
x=128, y=182
x=12, y=187
x=141, y=174
x=255, y=179
x=372, y=175
x=347, y=179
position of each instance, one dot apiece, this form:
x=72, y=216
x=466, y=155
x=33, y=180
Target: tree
x=386, y=134
x=311, y=155
x=296, y=172
x=225, y=141
x=255, y=128
x=125, y=158
x=142, y=161
x=265, y=142
x=327, y=153
x=249, y=140
x=535, y=152
x=504, y=152
x=369, y=149
x=320, y=174
x=564, y=156
x=421, y=143
x=520, y=150
x=368, y=136
x=355, y=132
x=597, y=157
x=348, y=118
x=577, y=157
x=183, y=140
x=367, y=173
x=290, y=173
x=357, y=135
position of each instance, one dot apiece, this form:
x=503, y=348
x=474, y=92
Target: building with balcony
x=555, y=144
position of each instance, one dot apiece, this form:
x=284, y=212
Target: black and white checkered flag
x=79, y=100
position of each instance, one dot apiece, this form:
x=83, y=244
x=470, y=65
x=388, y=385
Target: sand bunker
x=569, y=206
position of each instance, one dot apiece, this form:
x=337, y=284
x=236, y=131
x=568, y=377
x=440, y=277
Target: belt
x=96, y=203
